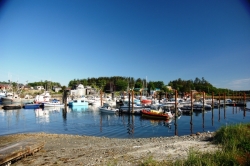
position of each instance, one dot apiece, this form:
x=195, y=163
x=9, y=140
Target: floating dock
x=19, y=150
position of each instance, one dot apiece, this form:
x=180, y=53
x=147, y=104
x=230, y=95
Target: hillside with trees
x=118, y=83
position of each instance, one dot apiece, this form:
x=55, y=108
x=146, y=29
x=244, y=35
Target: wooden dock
x=19, y=150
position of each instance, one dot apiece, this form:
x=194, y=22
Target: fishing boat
x=11, y=98
x=2, y=93
x=53, y=103
x=197, y=106
x=127, y=107
x=108, y=109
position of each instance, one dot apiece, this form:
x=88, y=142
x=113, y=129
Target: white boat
x=53, y=103
x=197, y=106
x=11, y=98
x=2, y=93
x=94, y=101
x=44, y=97
x=135, y=108
x=108, y=109
x=110, y=102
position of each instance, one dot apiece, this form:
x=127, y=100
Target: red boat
x=146, y=101
x=156, y=114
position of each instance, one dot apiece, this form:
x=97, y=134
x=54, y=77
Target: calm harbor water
x=90, y=121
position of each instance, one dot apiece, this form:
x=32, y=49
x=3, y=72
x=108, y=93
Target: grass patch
x=234, y=141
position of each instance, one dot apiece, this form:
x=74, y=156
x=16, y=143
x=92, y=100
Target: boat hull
x=31, y=106
x=10, y=100
x=52, y=105
x=109, y=110
x=24, y=101
x=154, y=115
x=11, y=107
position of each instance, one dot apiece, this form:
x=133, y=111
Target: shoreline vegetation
x=121, y=84
x=230, y=145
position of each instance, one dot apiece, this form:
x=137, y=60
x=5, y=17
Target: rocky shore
x=63, y=149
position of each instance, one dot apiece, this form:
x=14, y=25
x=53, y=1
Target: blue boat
x=31, y=106
x=78, y=102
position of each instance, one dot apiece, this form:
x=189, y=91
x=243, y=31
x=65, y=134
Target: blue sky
x=161, y=40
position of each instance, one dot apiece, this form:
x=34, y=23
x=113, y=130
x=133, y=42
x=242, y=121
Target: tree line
x=118, y=83
x=46, y=84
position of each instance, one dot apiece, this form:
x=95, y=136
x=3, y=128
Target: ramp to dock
x=18, y=150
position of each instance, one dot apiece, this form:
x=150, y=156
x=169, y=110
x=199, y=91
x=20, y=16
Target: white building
x=39, y=87
x=79, y=91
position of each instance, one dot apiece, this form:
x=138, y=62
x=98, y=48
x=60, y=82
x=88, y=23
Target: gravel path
x=63, y=149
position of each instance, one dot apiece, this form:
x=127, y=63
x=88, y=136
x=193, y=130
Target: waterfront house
x=39, y=87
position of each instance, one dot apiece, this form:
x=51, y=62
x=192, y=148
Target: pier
x=19, y=150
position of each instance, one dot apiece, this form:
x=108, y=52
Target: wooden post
x=212, y=108
x=219, y=113
x=176, y=133
x=212, y=99
x=65, y=96
x=191, y=113
x=133, y=101
x=191, y=103
x=224, y=99
x=245, y=102
x=175, y=102
x=203, y=110
x=236, y=97
x=203, y=101
x=140, y=96
x=129, y=102
x=101, y=96
x=219, y=99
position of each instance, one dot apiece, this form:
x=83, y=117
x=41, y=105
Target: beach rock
x=65, y=149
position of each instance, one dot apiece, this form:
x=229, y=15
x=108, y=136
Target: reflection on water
x=79, y=108
x=42, y=116
x=155, y=122
x=90, y=121
x=130, y=125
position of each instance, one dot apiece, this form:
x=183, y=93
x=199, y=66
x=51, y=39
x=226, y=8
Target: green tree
x=150, y=86
x=138, y=83
x=121, y=85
